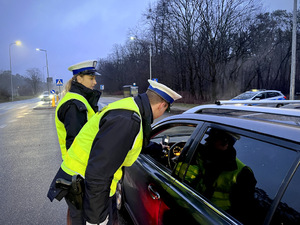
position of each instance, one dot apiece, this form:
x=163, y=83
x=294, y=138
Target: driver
x=221, y=177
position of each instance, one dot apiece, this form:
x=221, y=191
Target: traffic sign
x=52, y=91
x=101, y=87
x=59, y=82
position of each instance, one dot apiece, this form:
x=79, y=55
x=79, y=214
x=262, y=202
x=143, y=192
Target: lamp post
x=11, y=81
x=43, y=50
x=293, y=64
x=150, y=55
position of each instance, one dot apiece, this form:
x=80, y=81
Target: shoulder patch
x=80, y=105
x=136, y=117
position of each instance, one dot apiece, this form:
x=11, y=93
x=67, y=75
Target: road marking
x=12, y=121
x=2, y=126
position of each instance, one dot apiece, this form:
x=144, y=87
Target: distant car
x=261, y=94
x=163, y=188
x=46, y=96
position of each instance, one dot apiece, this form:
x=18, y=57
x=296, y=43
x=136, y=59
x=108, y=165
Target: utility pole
x=293, y=63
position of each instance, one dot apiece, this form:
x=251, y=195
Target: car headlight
x=51, y=96
x=41, y=96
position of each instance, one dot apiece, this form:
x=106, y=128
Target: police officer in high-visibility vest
x=78, y=105
x=111, y=139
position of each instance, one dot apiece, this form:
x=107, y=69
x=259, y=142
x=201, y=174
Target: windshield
x=245, y=95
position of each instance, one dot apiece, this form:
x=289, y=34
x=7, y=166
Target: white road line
x=2, y=126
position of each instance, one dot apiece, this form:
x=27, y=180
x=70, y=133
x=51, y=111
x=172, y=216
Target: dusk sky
x=71, y=31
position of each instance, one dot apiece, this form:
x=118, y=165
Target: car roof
x=281, y=123
x=261, y=90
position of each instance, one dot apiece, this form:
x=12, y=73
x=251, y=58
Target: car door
x=272, y=162
x=146, y=181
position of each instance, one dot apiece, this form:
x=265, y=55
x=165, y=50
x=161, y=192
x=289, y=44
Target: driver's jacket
x=60, y=127
x=76, y=158
x=222, y=185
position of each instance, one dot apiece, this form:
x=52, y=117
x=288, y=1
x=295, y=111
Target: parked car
x=261, y=94
x=161, y=187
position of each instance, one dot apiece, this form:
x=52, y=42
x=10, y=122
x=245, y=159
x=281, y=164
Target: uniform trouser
x=77, y=215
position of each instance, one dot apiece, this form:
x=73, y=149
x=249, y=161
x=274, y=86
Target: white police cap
x=86, y=67
x=163, y=91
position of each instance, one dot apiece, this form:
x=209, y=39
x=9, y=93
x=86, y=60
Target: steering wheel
x=174, y=153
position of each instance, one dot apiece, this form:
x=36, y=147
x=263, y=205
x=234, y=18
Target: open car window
x=166, y=144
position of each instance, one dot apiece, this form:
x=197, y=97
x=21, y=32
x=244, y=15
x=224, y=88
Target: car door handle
x=154, y=194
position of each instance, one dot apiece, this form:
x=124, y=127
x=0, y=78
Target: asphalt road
x=30, y=158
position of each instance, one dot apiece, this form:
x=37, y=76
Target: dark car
x=164, y=185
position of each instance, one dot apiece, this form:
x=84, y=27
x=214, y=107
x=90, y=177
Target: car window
x=272, y=94
x=245, y=96
x=288, y=210
x=260, y=96
x=173, y=137
x=245, y=180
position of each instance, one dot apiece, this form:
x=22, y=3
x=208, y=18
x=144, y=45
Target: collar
x=92, y=96
x=143, y=103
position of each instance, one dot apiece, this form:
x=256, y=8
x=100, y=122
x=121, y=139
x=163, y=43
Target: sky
x=71, y=31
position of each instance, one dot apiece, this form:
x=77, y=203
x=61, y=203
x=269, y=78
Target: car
x=260, y=94
x=46, y=96
x=161, y=187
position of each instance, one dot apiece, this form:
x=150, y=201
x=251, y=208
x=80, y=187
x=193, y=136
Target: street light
x=11, y=81
x=294, y=45
x=150, y=55
x=43, y=50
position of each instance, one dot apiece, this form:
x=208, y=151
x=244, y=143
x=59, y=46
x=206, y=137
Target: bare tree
x=35, y=79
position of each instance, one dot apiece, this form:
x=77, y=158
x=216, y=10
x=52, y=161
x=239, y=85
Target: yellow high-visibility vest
x=78, y=154
x=61, y=131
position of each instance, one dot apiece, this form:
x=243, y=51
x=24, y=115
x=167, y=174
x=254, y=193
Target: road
x=30, y=158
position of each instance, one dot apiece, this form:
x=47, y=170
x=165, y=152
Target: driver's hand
x=165, y=147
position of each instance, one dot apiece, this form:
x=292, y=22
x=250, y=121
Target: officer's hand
x=87, y=223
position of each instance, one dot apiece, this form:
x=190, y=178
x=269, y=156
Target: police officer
x=78, y=105
x=112, y=139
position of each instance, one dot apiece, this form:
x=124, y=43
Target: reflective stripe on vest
x=60, y=127
x=77, y=156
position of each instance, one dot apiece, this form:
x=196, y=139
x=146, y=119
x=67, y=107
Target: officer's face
x=88, y=81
